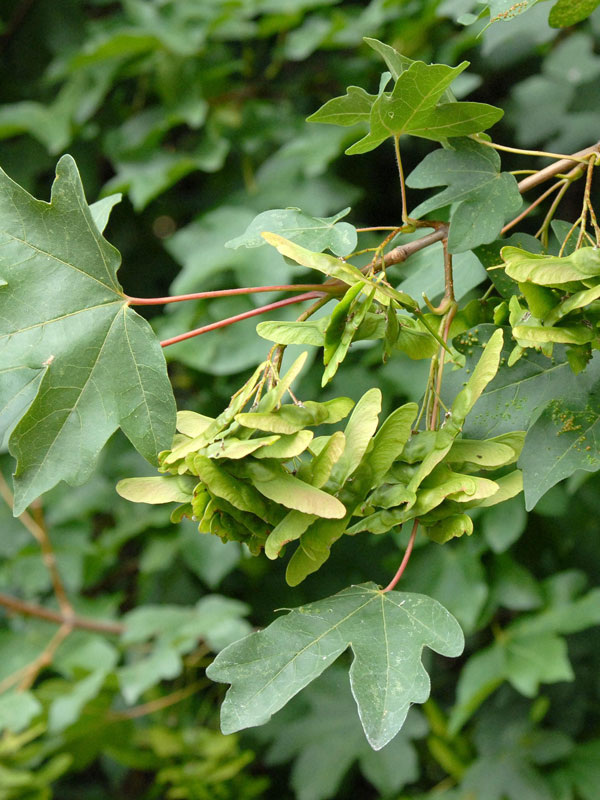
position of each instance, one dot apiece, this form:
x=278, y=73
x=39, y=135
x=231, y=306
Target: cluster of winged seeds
x=562, y=302
x=262, y=477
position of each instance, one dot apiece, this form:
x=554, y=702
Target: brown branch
x=73, y=620
x=33, y=669
x=554, y=169
x=157, y=705
x=404, y=251
x=40, y=534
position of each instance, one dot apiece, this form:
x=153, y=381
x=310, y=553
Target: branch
x=44, y=659
x=73, y=621
x=404, y=251
x=161, y=702
x=554, y=169
x=39, y=532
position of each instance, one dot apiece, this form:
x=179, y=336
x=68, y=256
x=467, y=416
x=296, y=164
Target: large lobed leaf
x=63, y=312
x=386, y=631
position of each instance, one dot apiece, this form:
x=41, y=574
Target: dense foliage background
x=195, y=109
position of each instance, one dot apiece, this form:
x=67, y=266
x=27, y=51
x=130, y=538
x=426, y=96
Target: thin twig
x=45, y=657
x=179, y=298
x=555, y=169
x=437, y=390
x=39, y=532
x=402, y=181
x=404, y=562
x=540, y=153
x=404, y=251
x=157, y=705
x=82, y=623
x=530, y=207
x=586, y=200
x=543, y=231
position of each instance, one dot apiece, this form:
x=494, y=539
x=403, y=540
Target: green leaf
x=165, y=489
x=314, y=233
x=101, y=209
x=582, y=770
x=105, y=368
x=349, y=109
x=548, y=270
x=146, y=176
x=503, y=525
x=396, y=62
x=515, y=395
x=454, y=575
x=386, y=632
x=274, y=482
x=18, y=387
x=413, y=108
x=569, y=12
x=504, y=10
x=524, y=661
x=326, y=739
x=163, y=663
x=17, y=709
x=563, y=439
x=66, y=709
x=483, y=198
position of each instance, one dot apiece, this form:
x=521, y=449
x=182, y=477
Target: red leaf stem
x=179, y=298
x=222, y=323
x=407, y=553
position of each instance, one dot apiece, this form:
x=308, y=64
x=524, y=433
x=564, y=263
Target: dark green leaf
x=483, y=198
x=105, y=368
x=569, y=12
x=325, y=741
x=514, y=396
x=563, y=439
x=349, y=109
x=412, y=108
